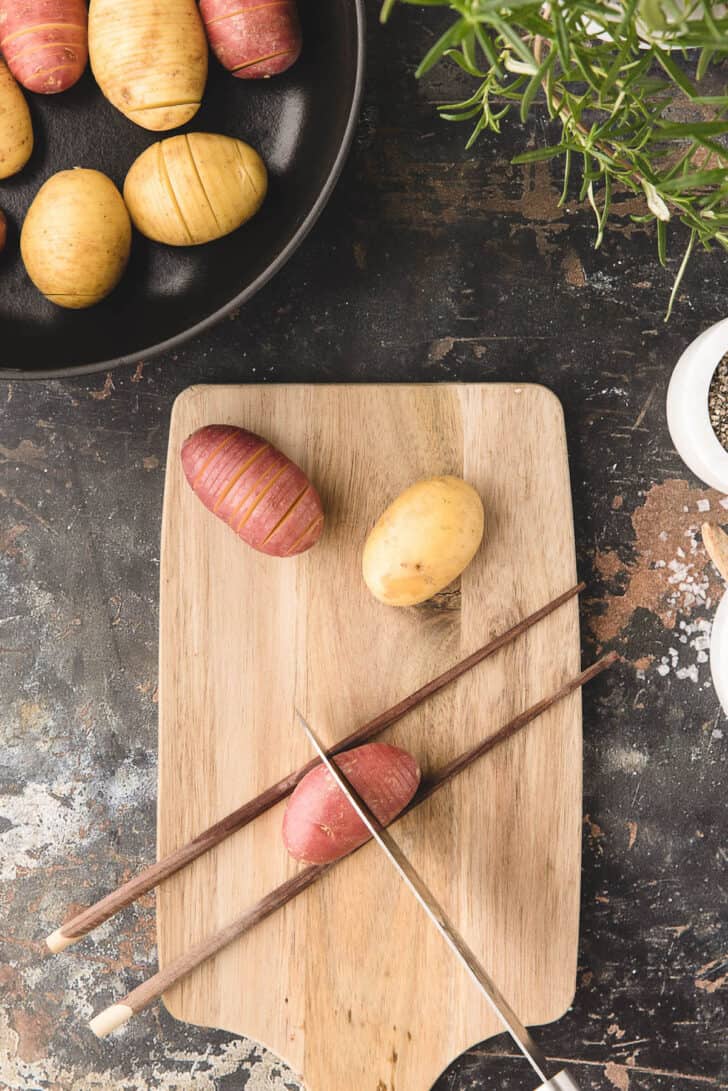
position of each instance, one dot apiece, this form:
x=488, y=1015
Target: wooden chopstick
x=117, y=1014
x=84, y=922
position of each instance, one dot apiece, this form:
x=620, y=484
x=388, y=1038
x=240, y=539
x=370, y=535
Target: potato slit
x=46, y=45
x=283, y=518
x=213, y=454
x=265, y=490
x=259, y=60
x=48, y=71
x=314, y=521
x=165, y=106
x=246, y=11
x=246, y=172
x=247, y=496
x=168, y=181
x=202, y=184
x=38, y=26
x=246, y=465
x=68, y=295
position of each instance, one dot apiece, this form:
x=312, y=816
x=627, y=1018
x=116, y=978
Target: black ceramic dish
x=301, y=122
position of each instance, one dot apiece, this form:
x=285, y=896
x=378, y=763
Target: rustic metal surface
x=429, y=264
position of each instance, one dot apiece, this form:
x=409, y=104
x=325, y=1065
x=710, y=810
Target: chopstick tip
x=57, y=942
x=109, y=1020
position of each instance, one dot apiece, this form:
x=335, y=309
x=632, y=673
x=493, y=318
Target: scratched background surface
x=428, y=264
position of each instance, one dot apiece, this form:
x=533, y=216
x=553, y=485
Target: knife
x=560, y=1080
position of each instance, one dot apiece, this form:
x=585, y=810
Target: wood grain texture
x=145, y=880
x=245, y=637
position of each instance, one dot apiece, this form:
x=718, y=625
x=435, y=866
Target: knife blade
x=557, y=1081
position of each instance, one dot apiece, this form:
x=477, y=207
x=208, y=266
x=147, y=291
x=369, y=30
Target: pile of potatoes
x=423, y=541
x=150, y=61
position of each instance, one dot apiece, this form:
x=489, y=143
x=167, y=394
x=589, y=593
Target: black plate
x=301, y=122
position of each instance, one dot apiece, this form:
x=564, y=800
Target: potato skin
x=45, y=42
x=423, y=541
x=149, y=59
x=254, y=488
x=320, y=825
x=76, y=238
x=16, y=129
x=194, y=188
x=3, y=230
x=253, y=40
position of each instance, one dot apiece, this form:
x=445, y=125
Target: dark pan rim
x=291, y=246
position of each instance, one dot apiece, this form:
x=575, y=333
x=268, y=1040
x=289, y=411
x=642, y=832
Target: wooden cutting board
x=349, y=984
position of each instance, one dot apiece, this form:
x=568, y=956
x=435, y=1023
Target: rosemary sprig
x=610, y=75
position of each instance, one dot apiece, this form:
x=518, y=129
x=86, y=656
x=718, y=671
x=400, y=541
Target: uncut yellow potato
x=16, y=130
x=423, y=541
x=194, y=188
x=149, y=59
x=76, y=238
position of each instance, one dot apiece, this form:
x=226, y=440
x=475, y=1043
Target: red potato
x=320, y=825
x=3, y=230
x=254, y=488
x=45, y=42
x=251, y=39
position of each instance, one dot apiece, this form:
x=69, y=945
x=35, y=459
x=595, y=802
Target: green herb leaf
x=538, y=155
x=450, y=38
x=680, y=274
x=655, y=203
x=661, y=242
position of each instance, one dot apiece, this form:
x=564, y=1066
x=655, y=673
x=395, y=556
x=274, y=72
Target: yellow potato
x=76, y=238
x=423, y=541
x=16, y=130
x=194, y=188
x=149, y=59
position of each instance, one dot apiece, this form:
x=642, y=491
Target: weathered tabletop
x=428, y=264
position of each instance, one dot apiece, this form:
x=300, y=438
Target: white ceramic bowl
x=687, y=407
